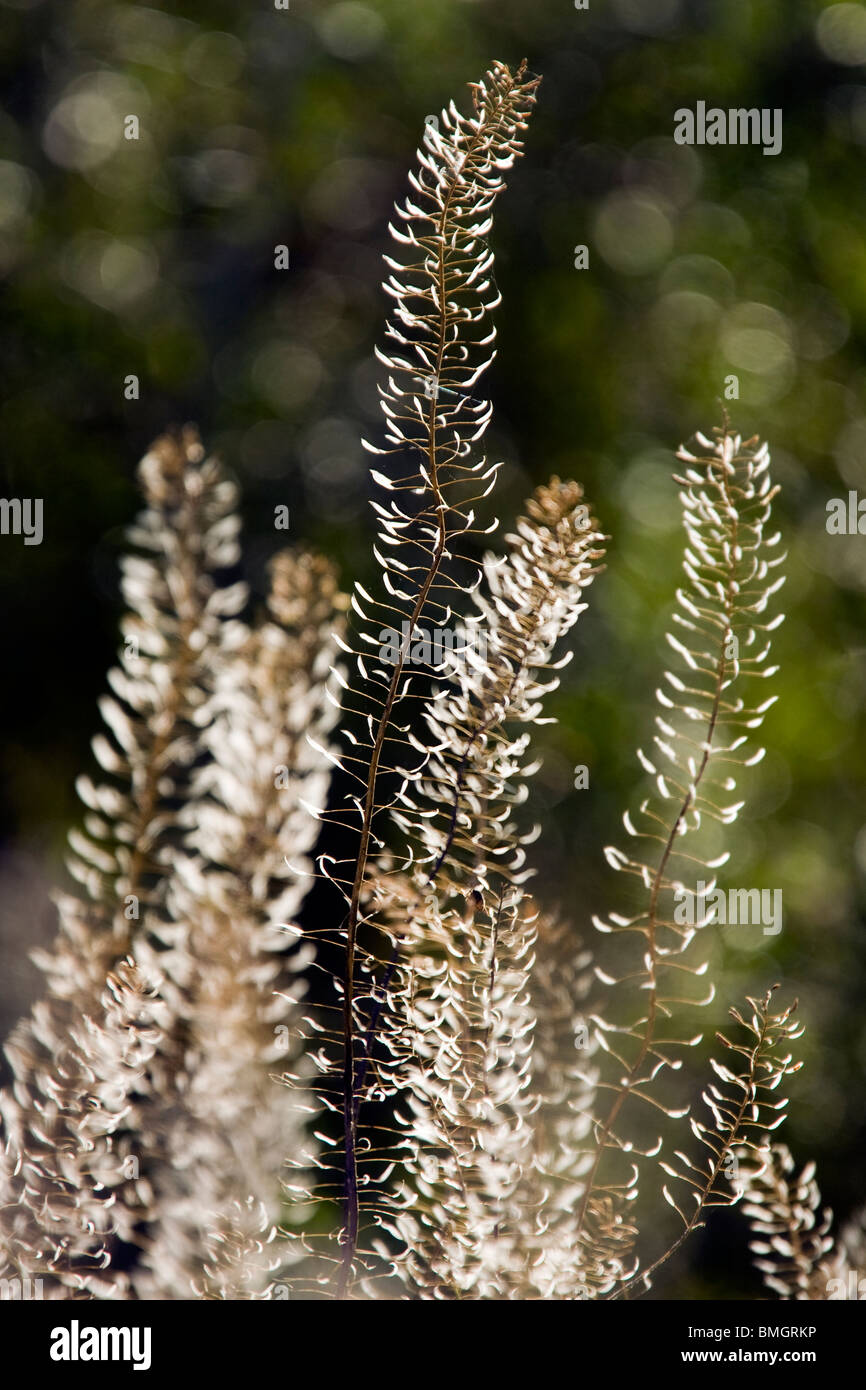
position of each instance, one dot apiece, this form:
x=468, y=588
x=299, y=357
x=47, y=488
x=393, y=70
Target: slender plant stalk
x=726, y=497
x=463, y=168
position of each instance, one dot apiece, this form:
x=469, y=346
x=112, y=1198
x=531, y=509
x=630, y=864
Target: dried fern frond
x=722, y=628
x=743, y=1113
x=563, y=1082
x=462, y=1008
x=529, y=600
x=68, y=1148
x=256, y=799
x=252, y=821
x=796, y=1254
x=494, y=1113
x=194, y=860
x=464, y=1003
x=184, y=537
x=439, y=344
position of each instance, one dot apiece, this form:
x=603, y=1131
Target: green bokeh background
x=261, y=127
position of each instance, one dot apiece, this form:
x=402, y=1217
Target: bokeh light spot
x=841, y=33
x=351, y=30
x=632, y=233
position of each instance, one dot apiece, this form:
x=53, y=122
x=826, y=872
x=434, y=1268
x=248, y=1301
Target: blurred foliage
x=260, y=127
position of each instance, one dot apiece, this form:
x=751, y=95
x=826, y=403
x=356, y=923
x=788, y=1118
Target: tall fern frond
x=186, y=535
x=439, y=344
x=251, y=821
x=193, y=856
x=721, y=635
x=184, y=538
x=466, y=952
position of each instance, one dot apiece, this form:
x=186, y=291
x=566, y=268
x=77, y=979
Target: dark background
x=155, y=257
